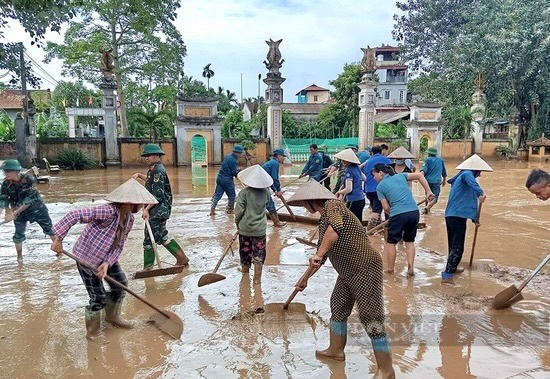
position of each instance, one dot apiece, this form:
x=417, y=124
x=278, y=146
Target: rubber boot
x=19, y=250
x=257, y=273
x=148, y=258
x=229, y=210
x=382, y=354
x=275, y=218
x=112, y=313
x=212, y=211
x=93, y=324
x=447, y=278
x=175, y=249
x=338, y=339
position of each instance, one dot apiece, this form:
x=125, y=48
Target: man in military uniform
x=20, y=194
x=224, y=180
x=272, y=168
x=157, y=182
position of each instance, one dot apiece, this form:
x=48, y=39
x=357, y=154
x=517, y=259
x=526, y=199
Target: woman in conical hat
x=344, y=240
x=250, y=218
x=100, y=246
x=464, y=199
x=353, y=183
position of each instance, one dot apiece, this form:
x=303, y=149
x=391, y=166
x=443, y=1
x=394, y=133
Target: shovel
x=310, y=241
x=213, y=277
x=158, y=271
x=383, y=224
x=296, y=307
x=167, y=321
x=512, y=294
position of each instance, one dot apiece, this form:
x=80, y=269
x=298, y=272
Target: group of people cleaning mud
x=383, y=180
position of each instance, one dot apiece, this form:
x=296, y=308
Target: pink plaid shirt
x=95, y=244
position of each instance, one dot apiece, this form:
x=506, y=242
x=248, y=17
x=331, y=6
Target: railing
x=395, y=79
x=496, y=135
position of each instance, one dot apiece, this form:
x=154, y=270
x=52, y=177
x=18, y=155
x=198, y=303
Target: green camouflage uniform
x=339, y=175
x=23, y=192
x=158, y=184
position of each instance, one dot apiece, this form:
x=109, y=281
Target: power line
x=55, y=81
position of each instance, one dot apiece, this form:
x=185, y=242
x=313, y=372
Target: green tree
x=458, y=120
x=507, y=40
x=36, y=17
x=233, y=125
x=7, y=127
x=150, y=124
x=54, y=124
x=73, y=94
x=382, y=130
x=146, y=46
x=207, y=73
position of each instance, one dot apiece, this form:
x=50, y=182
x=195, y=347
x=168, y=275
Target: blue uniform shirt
x=395, y=189
x=313, y=166
x=363, y=156
x=229, y=167
x=272, y=168
x=434, y=169
x=370, y=183
x=354, y=173
x=463, y=196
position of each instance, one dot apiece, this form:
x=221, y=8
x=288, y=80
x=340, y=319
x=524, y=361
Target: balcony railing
x=395, y=79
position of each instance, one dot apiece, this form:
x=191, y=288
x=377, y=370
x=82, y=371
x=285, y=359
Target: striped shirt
x=96, y=243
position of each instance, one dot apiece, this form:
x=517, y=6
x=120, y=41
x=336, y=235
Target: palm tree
x=158, y=124
x=207, y=73
x=231, y=97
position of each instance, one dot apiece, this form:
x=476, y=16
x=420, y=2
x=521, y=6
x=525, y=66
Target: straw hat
x=131, y=192
x=311, y=190
x=255, y=177
x=401, y=153
x=347, y=155
x=474, y=163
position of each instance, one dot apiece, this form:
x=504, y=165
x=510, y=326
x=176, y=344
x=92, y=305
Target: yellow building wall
x=456, y=149
x=51, y=147
x=488, y=149
x=257, y=156
x=130, y=153
x=322, y=96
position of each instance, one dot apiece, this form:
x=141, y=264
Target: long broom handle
x=535, y=272
x=152, y=238
x=309, y=272
x=380, y=226
x=475, y=235
x=225, y=252
x=288, y=208
x=117, y=283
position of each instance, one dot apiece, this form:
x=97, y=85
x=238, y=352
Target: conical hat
x=311, y=190
x=474, y=163
x=347, y=155
x=255, y=177
x=401, y=153
x=131, y=192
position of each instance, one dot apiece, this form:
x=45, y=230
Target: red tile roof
x=311, y=88
x=542, y=141
x=11, y=99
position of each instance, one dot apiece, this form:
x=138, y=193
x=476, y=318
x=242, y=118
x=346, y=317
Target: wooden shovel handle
x=152, y=238
x=287, y=207
x=381, y=225
x=309, y=272
x=225, y=252
x=117, y=283
x=475, y=235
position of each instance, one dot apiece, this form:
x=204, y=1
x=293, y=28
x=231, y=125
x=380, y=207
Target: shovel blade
x=158, y=272
x=306, y=242
x=173, y=325
x=503, y=298
x=210, y=278
x=280, y=308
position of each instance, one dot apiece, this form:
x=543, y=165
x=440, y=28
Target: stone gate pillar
x=478, y=111
x=367, y=99
x=274, y=94
x=112, y=155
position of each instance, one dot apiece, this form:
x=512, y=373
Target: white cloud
x=319, y=37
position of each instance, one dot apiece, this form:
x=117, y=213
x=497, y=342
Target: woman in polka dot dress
x=343, y=240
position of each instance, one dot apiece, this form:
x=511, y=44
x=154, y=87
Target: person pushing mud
x=344, y=240
x=19, y=193
x=158, y=184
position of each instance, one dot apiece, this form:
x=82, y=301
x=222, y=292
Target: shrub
x=74, y=159
x=7, y=127
x=504, y=151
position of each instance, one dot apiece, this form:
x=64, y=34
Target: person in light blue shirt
x=371, y=184
x=435, y=173
x=462, y=205
x=314, y=164
x=224, y=180
x=272, y=168
x=396, y=197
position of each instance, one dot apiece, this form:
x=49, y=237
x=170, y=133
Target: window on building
x=387, y=94
x=401, y=97
x=315, y=98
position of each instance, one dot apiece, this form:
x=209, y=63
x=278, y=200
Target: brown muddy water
x=436, y=331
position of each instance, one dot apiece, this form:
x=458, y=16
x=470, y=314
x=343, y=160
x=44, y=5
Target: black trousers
x=356, y=207
x=456, y=234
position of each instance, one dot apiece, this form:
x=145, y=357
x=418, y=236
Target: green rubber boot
x=148, y=258
x=113, y=311
x=175, y=249
x=93, y=324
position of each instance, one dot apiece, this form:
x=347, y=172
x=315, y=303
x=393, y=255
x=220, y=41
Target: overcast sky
x=319, y=37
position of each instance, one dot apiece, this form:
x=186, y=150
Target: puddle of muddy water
x=436, y=331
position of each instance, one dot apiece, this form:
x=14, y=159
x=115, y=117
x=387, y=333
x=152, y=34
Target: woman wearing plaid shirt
x=100, y=246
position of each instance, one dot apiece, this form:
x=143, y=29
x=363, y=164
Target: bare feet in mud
x=388, y=271
x=410, y=273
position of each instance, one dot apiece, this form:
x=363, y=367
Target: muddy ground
x=436, y=331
